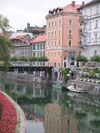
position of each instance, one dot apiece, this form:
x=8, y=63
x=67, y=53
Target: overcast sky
x=20, y=12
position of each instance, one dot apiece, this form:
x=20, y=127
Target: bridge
x=27, y=68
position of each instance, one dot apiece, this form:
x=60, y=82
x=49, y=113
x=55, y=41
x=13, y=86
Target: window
x=90, y=25
x=54, y=64
x=33, y=46
x=38, y=46
x=95, y=52
x=55, y=32
x=48, y=33
x=90, y=11
x=51, y=54
x=55, y=43
x=59, y=32
x=52, y=24
x=59, y=54
x=38, y=54
x=55, y=23
x=48, y=54
x=89, y=38
x=59, y=43
x=48, y=63
x=70, y=22
x=43, y=54
x=51, y=43
x=48, y=24
x=70, y=32
x=95, y=37
x=34, y=54
x=48, y=44
x=79, y=52
x=43, y=46
x=59, y=22
x=96, y=24
x=70, y=42
x=52, y=33
x=55, y=54
x=58, y=64
x=97, y=9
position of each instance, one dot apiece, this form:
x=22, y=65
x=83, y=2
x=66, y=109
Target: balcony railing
x=82, y=44
x=83, y=19
x=82, y=32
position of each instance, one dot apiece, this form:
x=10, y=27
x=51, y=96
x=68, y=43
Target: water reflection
x=49, y=110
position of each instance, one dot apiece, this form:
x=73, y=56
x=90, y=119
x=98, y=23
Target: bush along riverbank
x=9, y=115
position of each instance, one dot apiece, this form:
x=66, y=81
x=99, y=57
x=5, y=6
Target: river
x=48, y=110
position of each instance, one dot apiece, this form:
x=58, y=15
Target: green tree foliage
x=25, y=30
x=5, y=44
x=81, y=58
x=14, y=58
x=22, y=58
x=65, y=71
x=4, y=24
x=32, y=58
x=80, y=116
x=95, y=58
x=95, y=123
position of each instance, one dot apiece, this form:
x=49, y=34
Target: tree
x=25, y=30
x=44, y=59
x=95, y=58
x=5, y=44
x=81, y=58
x=14, y=58
x=32, y=58
x=22, y=58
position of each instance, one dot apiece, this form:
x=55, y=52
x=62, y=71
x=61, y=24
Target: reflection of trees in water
x=95, y=123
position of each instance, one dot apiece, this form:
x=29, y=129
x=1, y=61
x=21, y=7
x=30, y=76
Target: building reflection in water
x=58, y=111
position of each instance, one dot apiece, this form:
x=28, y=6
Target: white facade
x=38, y=49
x=90, y=32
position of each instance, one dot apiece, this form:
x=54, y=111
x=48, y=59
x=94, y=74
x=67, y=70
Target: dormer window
x=58, y=11
x=50, y=13
x=54, y=12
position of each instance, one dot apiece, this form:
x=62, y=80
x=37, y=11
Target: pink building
x=62, y=35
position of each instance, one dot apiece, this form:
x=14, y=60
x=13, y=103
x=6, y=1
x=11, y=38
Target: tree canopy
x=5, y=44
x=95, y=58
x=81, y=58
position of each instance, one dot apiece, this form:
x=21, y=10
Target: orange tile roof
x=20, y=37
x=68, y=8
x=40, y=38
x=6, y=35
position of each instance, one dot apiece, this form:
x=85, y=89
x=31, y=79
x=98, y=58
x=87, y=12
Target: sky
x=20, y=12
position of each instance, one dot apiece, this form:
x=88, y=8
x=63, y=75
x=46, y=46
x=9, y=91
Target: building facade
x=62, y=35
x=90, y=32
x=38, y=48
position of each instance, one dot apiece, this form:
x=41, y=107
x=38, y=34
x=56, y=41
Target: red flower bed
x=0, y=111
x=8, y=115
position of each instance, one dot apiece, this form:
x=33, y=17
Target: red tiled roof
x=68, y=8
x=6, y=35
x=40, y=38
x=20, y=37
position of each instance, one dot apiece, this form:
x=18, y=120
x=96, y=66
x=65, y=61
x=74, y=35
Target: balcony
x=82, y=32
x=83, y=19
x=82, y=44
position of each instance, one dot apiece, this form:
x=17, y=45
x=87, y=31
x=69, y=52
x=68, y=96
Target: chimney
x=82, y=3
x=73, y=3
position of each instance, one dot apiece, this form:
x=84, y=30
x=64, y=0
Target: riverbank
x=24, y=77
x=20, y=111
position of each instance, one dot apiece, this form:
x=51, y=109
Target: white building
x=90, y=32
x=38, y=48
